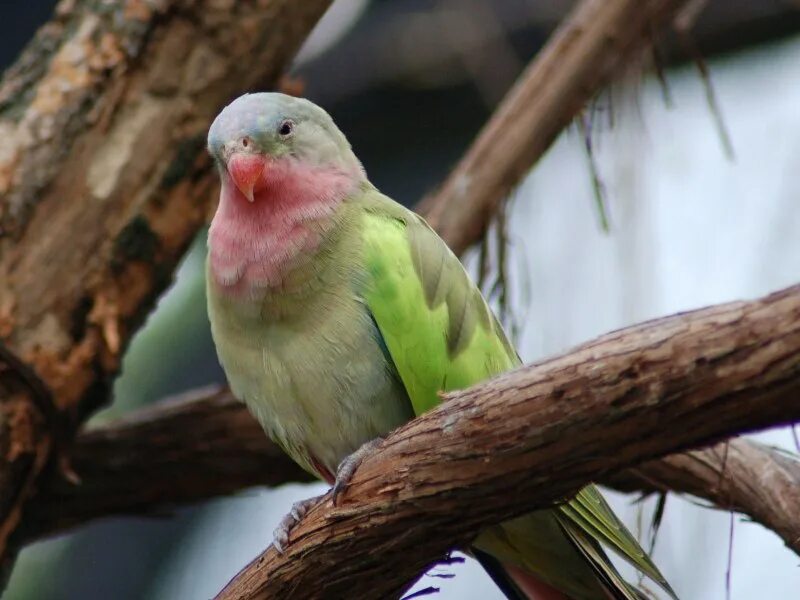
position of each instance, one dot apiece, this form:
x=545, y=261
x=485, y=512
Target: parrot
x=338, y=315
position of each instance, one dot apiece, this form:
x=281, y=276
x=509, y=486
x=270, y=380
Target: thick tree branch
x=535, y=435
x=594, y=42
x=103, y=183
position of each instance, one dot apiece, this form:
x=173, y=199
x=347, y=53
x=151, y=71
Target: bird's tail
x=530, y=558
x=515, y=583
x=553, y=555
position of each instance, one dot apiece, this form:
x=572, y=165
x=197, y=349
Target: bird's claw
x=344, y=473
x=348, y=466
x=280, y=537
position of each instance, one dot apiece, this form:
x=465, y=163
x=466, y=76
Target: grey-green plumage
x=365, y=325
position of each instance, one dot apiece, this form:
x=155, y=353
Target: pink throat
x=252, y=246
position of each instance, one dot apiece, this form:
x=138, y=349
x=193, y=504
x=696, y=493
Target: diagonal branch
x=699, y=376
x=535, y=435
x=595, y=41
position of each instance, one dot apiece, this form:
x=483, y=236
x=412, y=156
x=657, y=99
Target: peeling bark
x=103, y=184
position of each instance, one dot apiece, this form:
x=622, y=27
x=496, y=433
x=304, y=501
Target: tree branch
x=535, y=435
x=738, y=475
x=585, y=52
x=103, y=184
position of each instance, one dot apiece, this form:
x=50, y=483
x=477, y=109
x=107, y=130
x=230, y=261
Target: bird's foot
x=348, y=466
x=280, y=537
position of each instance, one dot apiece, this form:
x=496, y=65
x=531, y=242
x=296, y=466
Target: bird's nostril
x=228, y=148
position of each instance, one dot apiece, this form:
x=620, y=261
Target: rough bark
x=103, y=183
x=595, y=41
x=533, y=436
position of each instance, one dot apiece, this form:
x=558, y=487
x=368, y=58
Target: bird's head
x=261, y=140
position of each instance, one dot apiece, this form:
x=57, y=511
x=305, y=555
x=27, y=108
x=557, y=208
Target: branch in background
x=535, y=435
x=200, y=445
x=103, y=184
x=596, y=40
x=205, y=444
x=378, y=42
x=738, y=475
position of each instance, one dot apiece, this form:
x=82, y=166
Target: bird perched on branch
x=339, y=315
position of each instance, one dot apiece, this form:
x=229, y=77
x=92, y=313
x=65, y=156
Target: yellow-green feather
x=441, y=336
x=590, y=512
x=440, y=339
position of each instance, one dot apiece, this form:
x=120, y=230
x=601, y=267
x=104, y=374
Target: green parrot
x=338, y=315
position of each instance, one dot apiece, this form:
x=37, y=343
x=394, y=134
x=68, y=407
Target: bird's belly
x=319, y=391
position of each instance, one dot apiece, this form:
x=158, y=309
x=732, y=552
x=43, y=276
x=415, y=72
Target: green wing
x=441, y=336
x=436, y=325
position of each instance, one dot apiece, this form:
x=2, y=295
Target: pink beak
x=246, y=171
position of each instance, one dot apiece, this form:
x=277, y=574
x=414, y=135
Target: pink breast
x=252, y=246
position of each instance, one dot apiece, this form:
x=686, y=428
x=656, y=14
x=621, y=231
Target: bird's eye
x=286, y=128
x=245, y=142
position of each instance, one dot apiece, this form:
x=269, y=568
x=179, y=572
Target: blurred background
x=691, y=224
